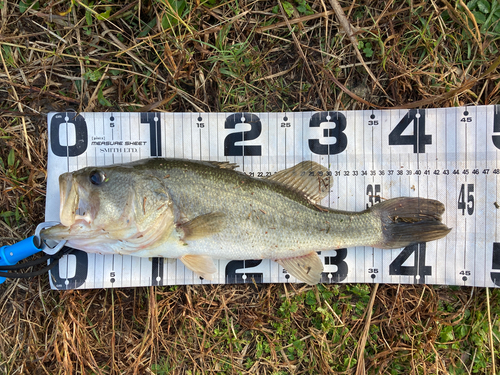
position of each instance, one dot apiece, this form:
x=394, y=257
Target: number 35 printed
x=410, y=130
x=337, y=123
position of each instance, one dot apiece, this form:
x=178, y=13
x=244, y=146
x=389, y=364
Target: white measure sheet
x=449, y=154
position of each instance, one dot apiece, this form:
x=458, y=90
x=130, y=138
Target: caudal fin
x=410, y=220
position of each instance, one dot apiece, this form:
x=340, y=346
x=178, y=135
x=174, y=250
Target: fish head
x=116, y=209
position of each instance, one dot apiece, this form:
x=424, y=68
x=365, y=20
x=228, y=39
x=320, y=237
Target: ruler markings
x=369, y=263
x=485, y=140
x=360, y=129
x=478, y=202
x=497, y=272
x=466, y=191
x=428, y=183
x=112, y=123
x=381, y=118
x=187, y=152
x=489, y=208
x=420, y=120
x=446, y=200
x=473, y=156
x=373, y=122
x=495, y=117
x=385, y=122
x=440, y=131
x=469, y=156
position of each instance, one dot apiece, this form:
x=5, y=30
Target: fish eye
x=96, y=177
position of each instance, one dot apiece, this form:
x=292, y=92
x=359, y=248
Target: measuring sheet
x=448, y=154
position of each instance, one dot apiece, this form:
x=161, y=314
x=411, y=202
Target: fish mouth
x=72, y=199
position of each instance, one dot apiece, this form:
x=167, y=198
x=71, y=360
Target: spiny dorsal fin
x=308, y=178
x=306, y=268
x=202, y=265
x=224, y=164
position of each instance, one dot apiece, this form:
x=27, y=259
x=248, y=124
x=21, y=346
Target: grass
x=184, y=56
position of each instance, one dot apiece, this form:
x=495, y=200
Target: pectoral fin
x=200, y=264
x=202, y=226
x=306, y=268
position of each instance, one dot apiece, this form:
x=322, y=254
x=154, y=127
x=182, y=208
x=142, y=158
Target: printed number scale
x=448, y=154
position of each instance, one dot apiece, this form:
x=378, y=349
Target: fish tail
x=410, y=220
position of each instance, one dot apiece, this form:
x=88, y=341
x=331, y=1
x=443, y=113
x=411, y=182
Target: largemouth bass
x=198, y=211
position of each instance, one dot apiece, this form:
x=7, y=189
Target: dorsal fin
x=223, y=164
x=308, y=178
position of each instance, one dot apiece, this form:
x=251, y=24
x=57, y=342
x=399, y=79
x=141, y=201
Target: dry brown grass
x=232, y=56
x=232, y=329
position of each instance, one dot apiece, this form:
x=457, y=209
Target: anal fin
x=306, y=268
x=202, y=265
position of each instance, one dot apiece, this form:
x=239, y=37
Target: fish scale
x=448, y=154
x=277, y=225
x=198, y=211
